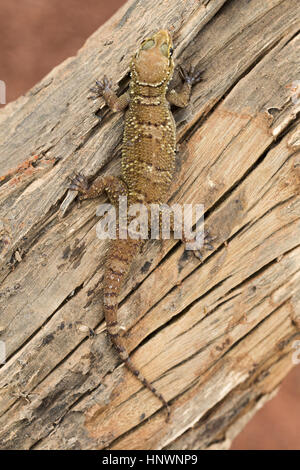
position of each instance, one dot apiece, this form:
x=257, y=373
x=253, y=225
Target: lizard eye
x=148, y=44
x=164, y=49
x=171, y=51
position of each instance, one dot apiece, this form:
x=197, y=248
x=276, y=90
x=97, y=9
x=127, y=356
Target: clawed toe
x=105, y=83
x=190, y=76
x=95, y=94
x=208, y=238
x=207, y=245
x=78, y=183
x=101, y=86
x=198, y=254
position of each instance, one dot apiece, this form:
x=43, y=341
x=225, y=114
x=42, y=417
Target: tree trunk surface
x=216, y=337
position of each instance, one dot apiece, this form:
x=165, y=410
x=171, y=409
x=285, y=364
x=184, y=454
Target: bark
x=216, y=337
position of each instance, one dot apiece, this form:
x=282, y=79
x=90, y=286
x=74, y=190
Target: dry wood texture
x=215, y=337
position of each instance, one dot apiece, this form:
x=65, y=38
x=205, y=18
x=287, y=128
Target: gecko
x=148, y=163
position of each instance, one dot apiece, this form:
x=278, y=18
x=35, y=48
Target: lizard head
x=153, y=63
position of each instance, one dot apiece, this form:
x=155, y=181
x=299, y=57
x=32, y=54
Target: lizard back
x=149, y=140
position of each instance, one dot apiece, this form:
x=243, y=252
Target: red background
x=35, y=36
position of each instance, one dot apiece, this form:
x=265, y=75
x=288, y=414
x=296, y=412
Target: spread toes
x=191, y=75
x=101, y=86
x=78, y=183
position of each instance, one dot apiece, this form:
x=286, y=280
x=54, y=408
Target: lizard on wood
x=148, y=161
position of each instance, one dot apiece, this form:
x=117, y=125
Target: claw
x=190, y=76
x=198, y=255
x=101, y=86
x=78, y=183
x=182, y=72
x=208, y=237
x=207, y=245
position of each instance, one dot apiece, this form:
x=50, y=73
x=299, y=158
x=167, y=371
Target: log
x=216, y=337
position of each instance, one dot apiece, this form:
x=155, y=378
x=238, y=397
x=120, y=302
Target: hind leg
x=120, y=256
x=113, y=186
x=197, y=250
x=207, y=245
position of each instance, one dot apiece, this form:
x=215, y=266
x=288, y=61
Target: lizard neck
x=148, y=90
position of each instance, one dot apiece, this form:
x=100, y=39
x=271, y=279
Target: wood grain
x=216, y=337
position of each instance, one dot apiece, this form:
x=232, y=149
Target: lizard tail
x=121, y=254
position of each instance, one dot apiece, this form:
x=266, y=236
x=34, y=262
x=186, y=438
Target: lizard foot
x=190, y=76
x=78, y=183
x=101, y=87
x=207, y=245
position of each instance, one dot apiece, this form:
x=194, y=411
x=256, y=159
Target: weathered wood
x=216, y=337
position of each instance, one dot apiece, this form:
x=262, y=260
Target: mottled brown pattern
x=148, y=161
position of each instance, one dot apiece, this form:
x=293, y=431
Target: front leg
x=105, y=88
x=182, y=97
x=113, y=186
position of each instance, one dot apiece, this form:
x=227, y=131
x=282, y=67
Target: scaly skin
x=148, y=161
